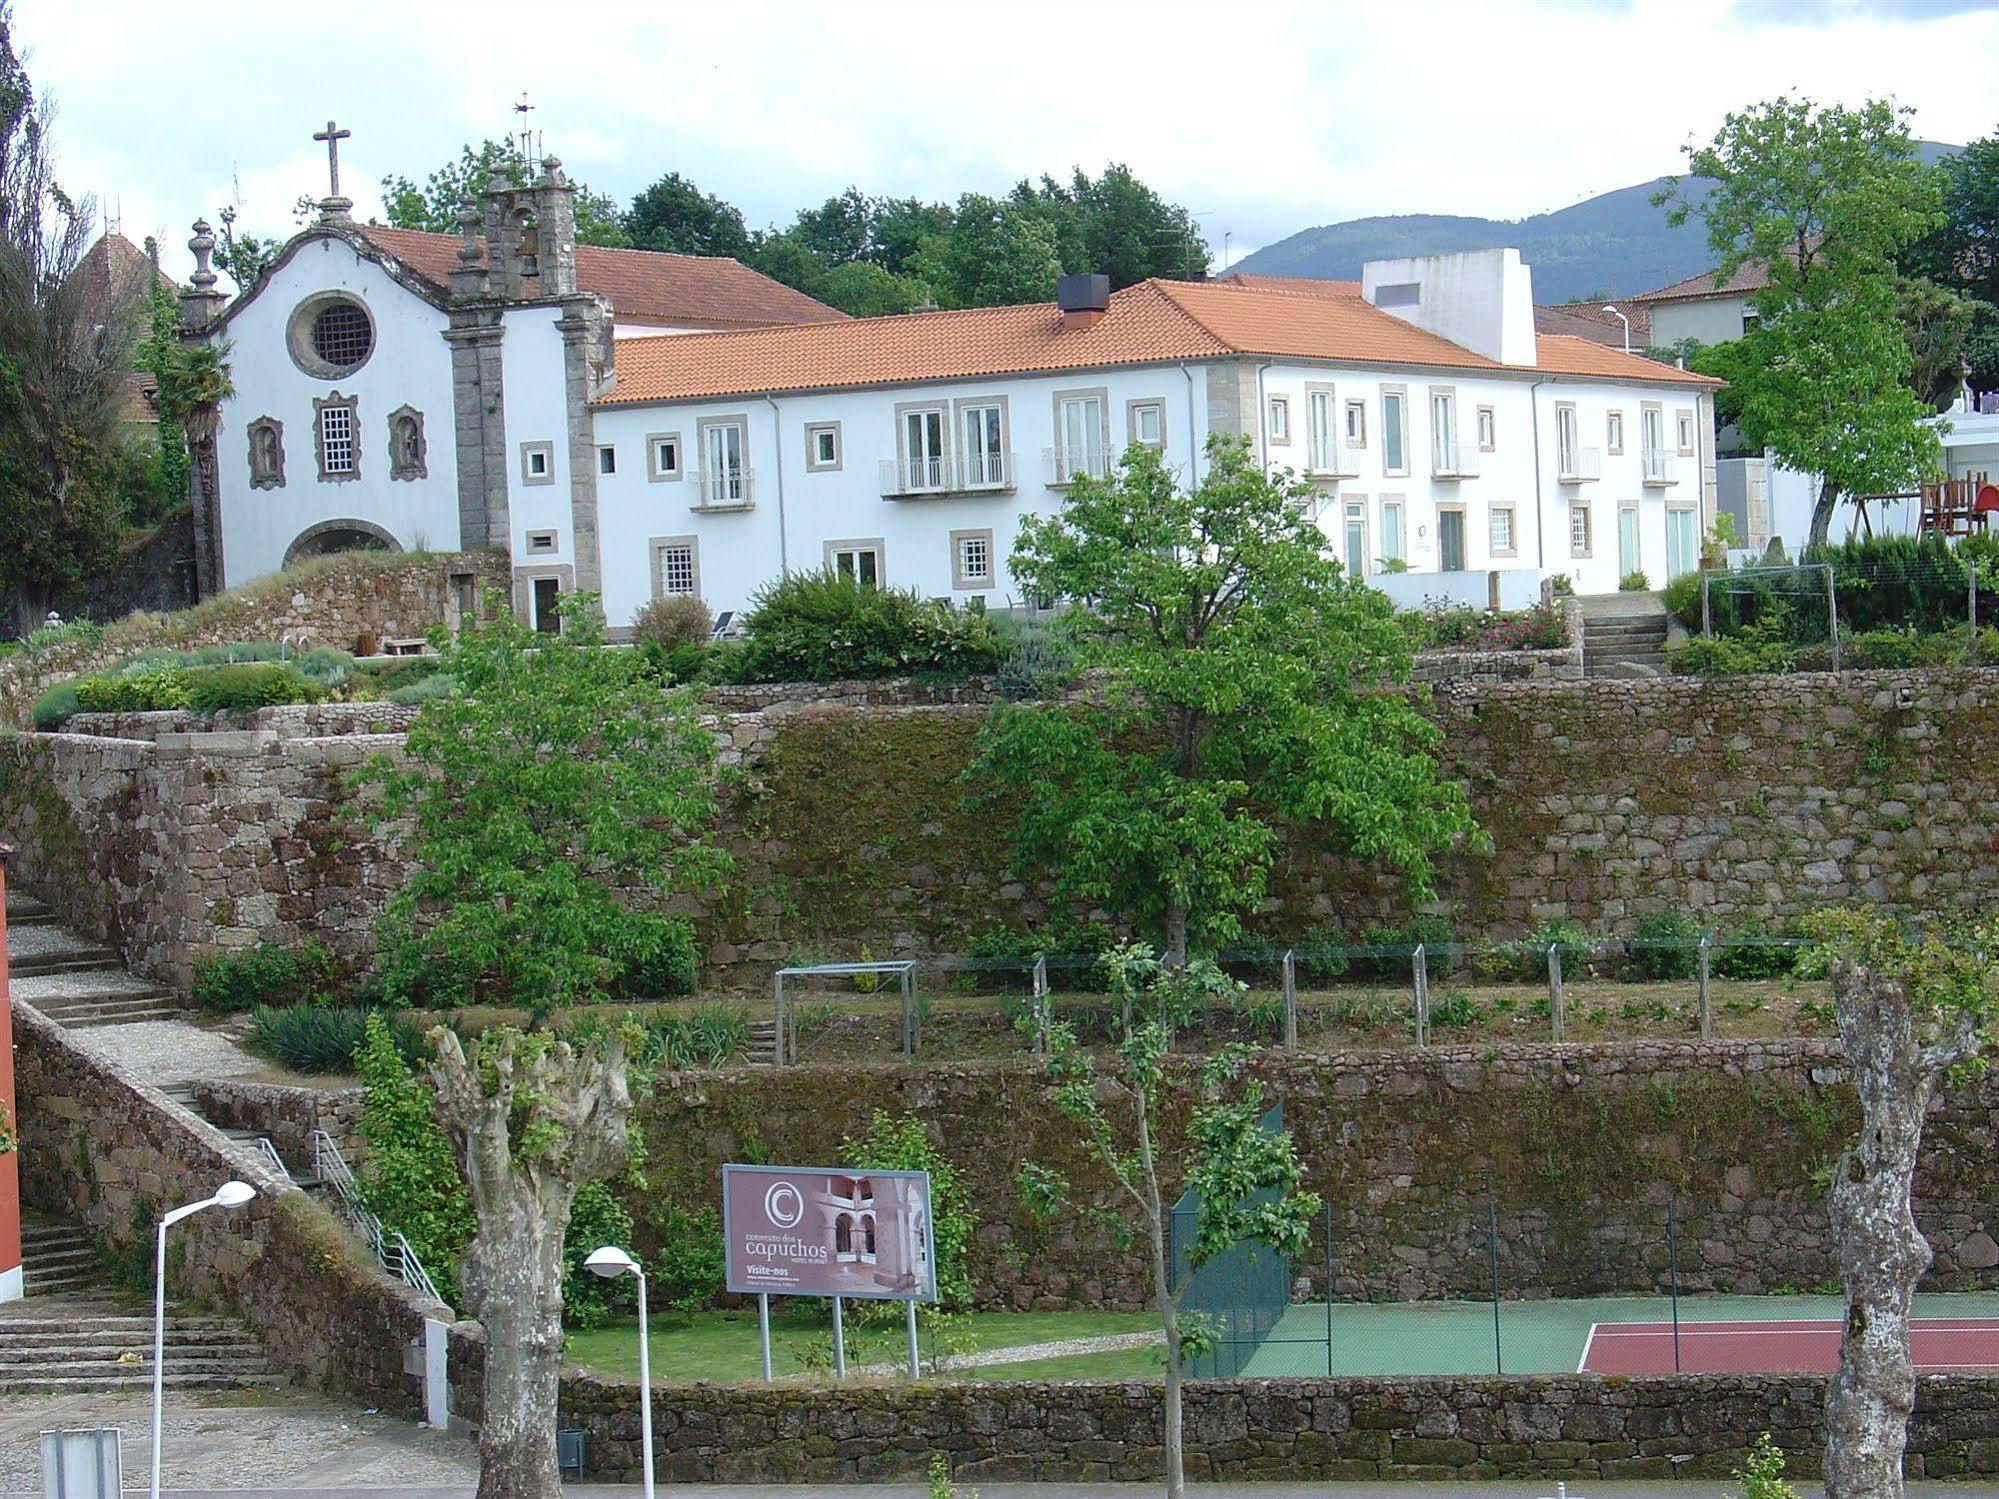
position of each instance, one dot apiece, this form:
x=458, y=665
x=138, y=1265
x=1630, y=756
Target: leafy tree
x=899, y=226
x=839, y=231
x=1824, y=198
x=155, y=355
x=674, y=214
x=1912, y=1012
x=857, y=286
x=1936, y=325
x=1962, y=251
x=61, y=370
x=895, y=1142
x=995, y=254
x=1117, y=225
x=409, y=1177
x=1250, y=676
x=243, y=257
x=1127, y=1113
x=433, y=204
x=557, y=771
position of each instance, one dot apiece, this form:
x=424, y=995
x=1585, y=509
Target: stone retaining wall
x=285, y=1115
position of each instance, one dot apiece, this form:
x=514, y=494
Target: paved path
x=1380, y=1490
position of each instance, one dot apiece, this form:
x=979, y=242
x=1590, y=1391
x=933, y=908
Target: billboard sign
x=812, y=1231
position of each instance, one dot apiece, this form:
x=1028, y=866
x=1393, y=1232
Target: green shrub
x=155, y=690
x=322, y=1038
x=895, y=1142
x=1383, y=953
x=1634, y=582
x=689, y=1269
x=409, y=1175
x=1322, y=956
x=1039, y=666
x=656, y=957
x=596, y=1218
x=1570, y=938
x=48, y=637
x=1763, y=647
x=325, y=665
x=712, y=1035
x=1673, y=956
x=819, y=627
x=266, y=974
x=424, y=689
x=57, y=707
x=673, y=622
x=260, y=684
x=1682, y=598
x=1750, y=952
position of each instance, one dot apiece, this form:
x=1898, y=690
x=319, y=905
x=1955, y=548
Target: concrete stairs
x=1624, y=635
x=70, y=979
x=71, y=1333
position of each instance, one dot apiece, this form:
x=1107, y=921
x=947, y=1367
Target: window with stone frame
x=972, y=559
x=267, y=453
x=409, y=453
x=336, y=435
x=676, y=566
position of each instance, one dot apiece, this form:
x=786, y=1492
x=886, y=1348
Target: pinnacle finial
x=551, y=171
x=203, y=246
x=468, y=238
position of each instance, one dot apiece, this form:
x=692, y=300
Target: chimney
x=1082, y=298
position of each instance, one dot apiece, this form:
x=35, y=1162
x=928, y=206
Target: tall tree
x=1128, y=1115
x=1962, y=251
x=995, y=254
x=556, y=772
x=1911, y=1012
x=1824, y=199
x=674, y=214
x=1247, y=678
x=62, y=364
x=1937, y=325
x=1117, y=225
x=432, y=205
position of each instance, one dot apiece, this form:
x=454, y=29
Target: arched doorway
x=330, y=536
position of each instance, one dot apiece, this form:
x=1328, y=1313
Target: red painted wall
x=10, y=1165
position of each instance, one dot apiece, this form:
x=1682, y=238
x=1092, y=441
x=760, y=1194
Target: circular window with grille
x=331, y=335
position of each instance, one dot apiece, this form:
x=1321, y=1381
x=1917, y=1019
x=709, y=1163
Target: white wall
x=1712, y=320
x=409, y=365
x=1482, y=299
x=741, y=550
x=536, y=411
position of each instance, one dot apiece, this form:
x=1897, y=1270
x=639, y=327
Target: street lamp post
x=611, y=1262
x=231, y=1194
x=1614, y=312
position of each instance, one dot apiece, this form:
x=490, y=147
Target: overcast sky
x=1263, y=119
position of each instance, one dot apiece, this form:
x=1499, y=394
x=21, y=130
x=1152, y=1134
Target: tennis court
x=1606, y=1335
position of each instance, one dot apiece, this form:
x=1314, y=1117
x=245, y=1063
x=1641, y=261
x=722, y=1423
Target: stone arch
x=340, y=536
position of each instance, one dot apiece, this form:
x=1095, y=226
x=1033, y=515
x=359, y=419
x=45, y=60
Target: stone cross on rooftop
x=333, y=135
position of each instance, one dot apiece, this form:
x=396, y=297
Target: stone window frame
x=1399, y=503
x=1317, y=462
x=529, y=450
x=1487, y=424
x=1581, y=507
x=1272, y=405
x=563, y=573
x=1399, y=393
x=947, y=446
x=1683, y=423
x=1568, y=470
x=1448, y=394
x=1349, y=503
x=876, y=544
x=540, y=544
x=1460, y=510
x=1101, y=394
x=1637, y=513
x=654, y=473
x=607, y=450
x=746, y=500
x=656, y=549
x=962, y=581
x=1613, y=432
x=962, y=407
x=1131, y=411
x=321, y=405
x=813, y=463
x=298, y=335
x=418, y=467
x=1512, y=514
x=260, y=479
x=1354, y=433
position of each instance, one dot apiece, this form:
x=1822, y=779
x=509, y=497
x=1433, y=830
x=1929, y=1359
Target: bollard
x=1555, y=1001
x=1421, y=973
x=1290, y=1001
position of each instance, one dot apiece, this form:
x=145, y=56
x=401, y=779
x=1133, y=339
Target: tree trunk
x=512, y=1281
x=1822, y=509
x=1176, y=933
x=1169, y=1319
x=1881, y=1252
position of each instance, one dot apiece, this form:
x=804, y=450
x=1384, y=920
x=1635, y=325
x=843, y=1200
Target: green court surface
x=1533, y=1337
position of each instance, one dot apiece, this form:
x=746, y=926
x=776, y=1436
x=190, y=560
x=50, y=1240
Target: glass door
x=984, y=465
x=722, y=464
x=923, y=449
x=1082, y=437
x=1627, y=542
x=1354, y=541
x=1451, y=541
x=1682, y=544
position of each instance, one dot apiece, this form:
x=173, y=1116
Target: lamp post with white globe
x=231, y=1194
x=611, y=1262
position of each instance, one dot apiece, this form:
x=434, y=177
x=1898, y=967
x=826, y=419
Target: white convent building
x=640, y=424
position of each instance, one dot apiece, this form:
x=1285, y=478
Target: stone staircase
x=71, y=1333
x=1624, y=635
x=73, y=981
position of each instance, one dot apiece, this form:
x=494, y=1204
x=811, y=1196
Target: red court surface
x=1941, y=1345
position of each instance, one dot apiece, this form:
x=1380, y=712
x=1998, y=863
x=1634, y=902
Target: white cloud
x=1265, y=120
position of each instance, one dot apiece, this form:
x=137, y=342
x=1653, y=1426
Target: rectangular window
x=822, y=447
x=1079, y=437
x=972, y=559
x=1683, y=423
x=725, y=480
x=1394, y=432
x=859, y=560
x=985, y=447
x=1356, y=424
x=1628, y=559
x=1443, y=432
x=1488, y=429
x=607, y=460
x=676, y=574
x=1502, y=531
x=1322, y=430
x=1353, y=539
x=1565, y=441
x=1652, y=441
x=336, y=439
x=1613, y=432
x=1391, y=531
x=547, y=606
x=662, y=456
x=1682, y=542
x=540, y=542
x=923, y=450
x=1579, y=531
x=1280, y=420
x=537, y=464
x=1148, y=424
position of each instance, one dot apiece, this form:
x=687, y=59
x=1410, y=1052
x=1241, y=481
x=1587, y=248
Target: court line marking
x=1588, y=1343
x=1813, y=1327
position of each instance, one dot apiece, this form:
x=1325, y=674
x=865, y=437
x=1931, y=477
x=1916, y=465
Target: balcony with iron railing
x=1579, y=465
x=1660, y=470
x=972, y=473
x=732, y=488
x=1454, y=460
x=1065, y=463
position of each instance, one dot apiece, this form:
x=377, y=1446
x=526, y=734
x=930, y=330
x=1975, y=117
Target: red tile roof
x=1153, y=322
x=1589, y=320
x=1750, y=276
x=643, y=286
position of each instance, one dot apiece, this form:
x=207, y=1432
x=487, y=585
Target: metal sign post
x=839, y=1343
x=1707, y=1005
x=1290, y=1002
x=763, y=1332
x=909, y=1313
x=1421, y=960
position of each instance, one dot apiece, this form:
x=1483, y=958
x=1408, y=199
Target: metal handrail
x=391, y=1250
x=271, y=1155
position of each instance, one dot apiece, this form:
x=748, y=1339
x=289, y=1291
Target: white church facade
x=639, y=424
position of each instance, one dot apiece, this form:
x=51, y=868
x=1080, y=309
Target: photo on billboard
x=813, y=1231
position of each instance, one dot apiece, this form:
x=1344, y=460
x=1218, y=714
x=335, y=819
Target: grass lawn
x=722, y=1346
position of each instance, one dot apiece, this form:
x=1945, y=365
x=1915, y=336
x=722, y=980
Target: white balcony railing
x=1454, y=460
x=1065, y=463
x=902, y=478
x=1661, y=470
x=1337, y=460
x=732, y=488
x=1580, y=466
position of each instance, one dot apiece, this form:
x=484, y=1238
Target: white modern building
x=643, y=425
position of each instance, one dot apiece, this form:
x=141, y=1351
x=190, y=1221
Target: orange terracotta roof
x=642, y=286
x=1318, y=286
x=1153, y=322
x=1589, y=320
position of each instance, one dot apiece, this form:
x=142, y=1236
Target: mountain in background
x=1613, y=245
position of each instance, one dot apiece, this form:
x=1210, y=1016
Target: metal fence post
x=1041, y=1003
x=1421, y=973
x=1707, y=999
x=911, y=1041
x=1707, y=618
x=1328, y=1211
x=1290, y=1001
x=1832, y=612
x=1556, y=1003
x=1673, y=1274
x=1971, y=607
x=777, y=1032
x=1492, y=1249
